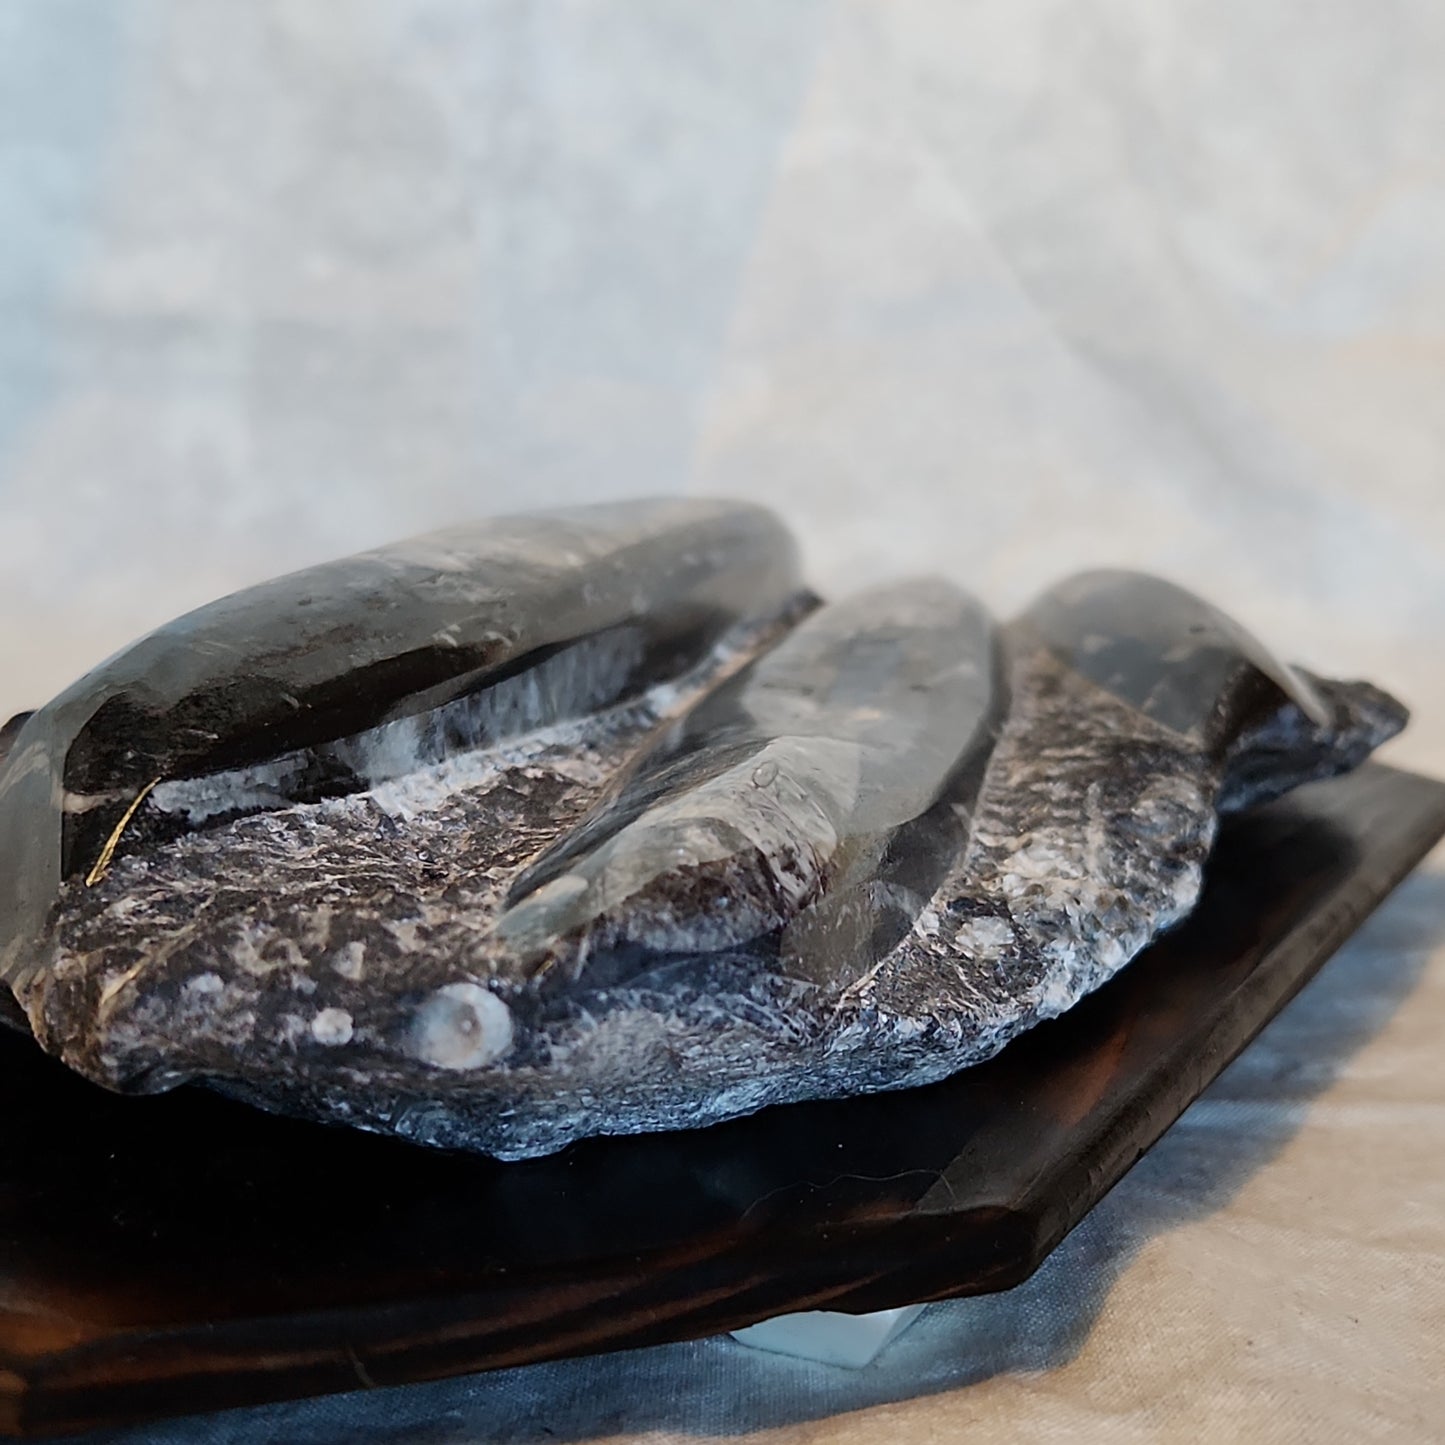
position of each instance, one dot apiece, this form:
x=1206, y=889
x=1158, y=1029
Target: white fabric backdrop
x=996, y=289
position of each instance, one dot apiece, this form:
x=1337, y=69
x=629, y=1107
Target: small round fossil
x=462, y=1026
x=332, y=1026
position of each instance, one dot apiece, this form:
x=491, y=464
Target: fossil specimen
x=598, y=822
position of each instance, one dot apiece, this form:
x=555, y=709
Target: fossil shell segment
x=751, y=809
x=318, y=680
x=594, y=822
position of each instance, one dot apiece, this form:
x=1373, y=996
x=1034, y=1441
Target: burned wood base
x=182, y=1253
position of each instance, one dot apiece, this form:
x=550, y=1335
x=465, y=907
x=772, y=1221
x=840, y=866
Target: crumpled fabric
x=997, y=290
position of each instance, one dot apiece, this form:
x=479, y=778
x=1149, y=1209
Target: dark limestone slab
x=803, y=853
x=371, y=641
x=165, y=1256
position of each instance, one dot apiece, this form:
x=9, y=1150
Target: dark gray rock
x=785, y=857
x=251, y=689
x=774, y=799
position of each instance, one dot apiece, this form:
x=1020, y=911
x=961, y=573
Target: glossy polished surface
x=323, y=653
x=675, y=864
x=1167, y=653
x=783, y=788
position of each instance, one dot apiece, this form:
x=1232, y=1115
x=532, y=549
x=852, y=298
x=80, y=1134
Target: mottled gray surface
x=863, y=858
x=319, y=676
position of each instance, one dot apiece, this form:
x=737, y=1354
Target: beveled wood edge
x=40, y=1396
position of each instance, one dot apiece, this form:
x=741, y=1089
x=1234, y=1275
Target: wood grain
x=182, y=1253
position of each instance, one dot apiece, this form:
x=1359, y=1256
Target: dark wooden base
x=176, y=1254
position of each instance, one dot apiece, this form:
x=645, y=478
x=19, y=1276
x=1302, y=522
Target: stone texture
x=779, y=864
x=773, y=803
x=373, y=640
